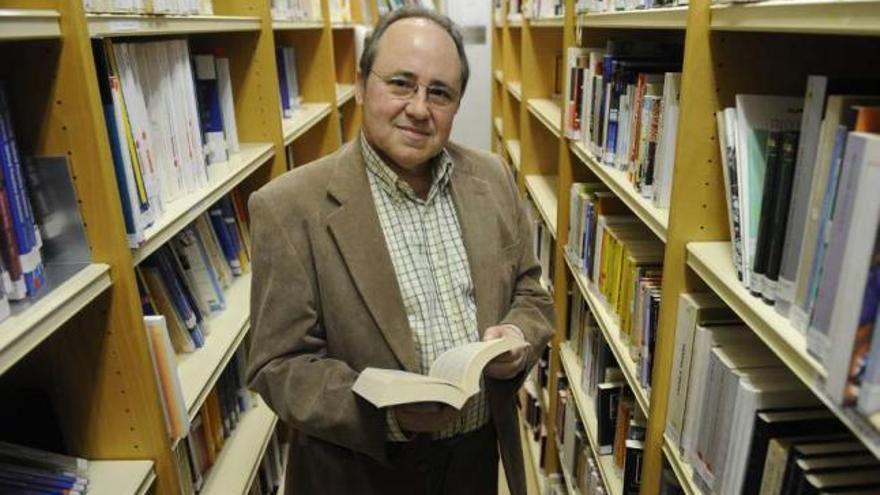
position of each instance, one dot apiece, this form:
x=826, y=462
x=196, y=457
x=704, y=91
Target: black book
x=608, y=395
x=808, y=451
x=632, y=468
x=783, y=424
x=817, y=484
x=827, y=465
x=768, y=207
x=787, y=162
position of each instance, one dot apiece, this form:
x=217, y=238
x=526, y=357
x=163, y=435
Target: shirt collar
x=397, y=188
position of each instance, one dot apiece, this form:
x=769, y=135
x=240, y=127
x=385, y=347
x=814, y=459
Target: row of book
x=170, y=121
x=176, y=7
x=622, y=263
x=599, y=6
x=804, y=216
x=214, y=423
x=732, y=403
x=186, y=279
x=29, y=470
x=340, y=11
x=545, y=9
x=288, y=80
x=22, y=273
x=297, y=10
x=386, y=6
x=622, y=102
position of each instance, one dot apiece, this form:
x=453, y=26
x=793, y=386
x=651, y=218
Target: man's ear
x=360, y=87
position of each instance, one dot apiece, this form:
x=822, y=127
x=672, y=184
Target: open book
x=453, y=379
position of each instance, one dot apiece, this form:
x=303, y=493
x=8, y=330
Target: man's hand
x=424, y=417
x=509, y=364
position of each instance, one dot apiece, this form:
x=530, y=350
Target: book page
x=464, y=365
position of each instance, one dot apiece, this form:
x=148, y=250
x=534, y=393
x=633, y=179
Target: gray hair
x=365, y=65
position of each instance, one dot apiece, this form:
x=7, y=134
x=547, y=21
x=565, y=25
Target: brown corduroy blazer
x=325, y=304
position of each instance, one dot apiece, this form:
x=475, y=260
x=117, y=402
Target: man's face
x=410, y=131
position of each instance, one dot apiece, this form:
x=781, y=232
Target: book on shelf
x=165, y=368
x=296, y=10
x=216, y=108
x=453, y=378
x=340, y=11
x=288, y=80
x=22, y=273
x=544, y=9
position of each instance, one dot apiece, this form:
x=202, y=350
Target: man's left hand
x=509, y=364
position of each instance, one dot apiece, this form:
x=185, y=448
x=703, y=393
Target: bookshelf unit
x=719, y=43
x=82, y=341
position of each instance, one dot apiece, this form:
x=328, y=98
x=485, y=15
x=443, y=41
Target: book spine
x=780, y=215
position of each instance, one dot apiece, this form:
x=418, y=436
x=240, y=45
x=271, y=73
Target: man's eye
x=439, y=93
x=399, y=83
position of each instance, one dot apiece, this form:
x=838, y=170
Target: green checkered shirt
x=427, y=250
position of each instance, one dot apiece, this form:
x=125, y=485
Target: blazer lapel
x=355, y=228
x=472, y=202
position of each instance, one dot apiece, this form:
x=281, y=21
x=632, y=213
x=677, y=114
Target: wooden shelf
x=200, y=370
x=120, y=477
x=344, y=93
x=27, y=24
x=515, y=21
x=608, y=324
x=343, y=25
x=542, y=189
x=611, y=476
x=657, y=219
x=513, y=149
x=666, y=18
x=303, y=119
x=681, y=467
x=548, y=112
x=32, y=323
x=713, y=262
x=236, y=466
x=182, y=211
x=515, y=88
x=290, y=25
x=499, y=76
x=498, y=126
x=848, y=17
x=108, y=25
x=548, y=22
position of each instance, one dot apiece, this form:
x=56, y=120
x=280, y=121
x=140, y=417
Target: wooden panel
x=343, y=55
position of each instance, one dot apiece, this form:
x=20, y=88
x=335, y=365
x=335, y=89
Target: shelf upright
x=97, y=365
x=697, y=199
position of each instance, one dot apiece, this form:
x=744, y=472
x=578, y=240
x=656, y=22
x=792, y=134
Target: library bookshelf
x=719, y=43
x=83, y=341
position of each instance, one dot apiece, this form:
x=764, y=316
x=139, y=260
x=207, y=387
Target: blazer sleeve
x=287, y=363
x=531, y=308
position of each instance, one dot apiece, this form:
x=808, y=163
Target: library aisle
x=705, y=215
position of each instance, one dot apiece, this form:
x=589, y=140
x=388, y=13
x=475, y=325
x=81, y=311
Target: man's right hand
x=424, y=417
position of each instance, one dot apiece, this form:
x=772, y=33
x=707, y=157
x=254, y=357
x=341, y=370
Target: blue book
x=169, y=258
x=40, y=482
x=212, y=272
x=71, y=479
x=230, y=222
x=210, y=111
x=175, y=293
x=226, y=243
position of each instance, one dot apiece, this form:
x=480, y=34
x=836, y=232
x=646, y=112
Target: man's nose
x=417, y=108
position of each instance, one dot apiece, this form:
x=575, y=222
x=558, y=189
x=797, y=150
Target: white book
x=693, y=309
x=665, y=156
x=862, y=154
x=215, y=252
x=227, y=104
x=705, y=339
x=453, y=378
x=186, y=249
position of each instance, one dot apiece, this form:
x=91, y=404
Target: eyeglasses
x=404, y=87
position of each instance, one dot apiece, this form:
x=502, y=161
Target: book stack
x=545, y=9
x=175, y=7
x=622, y=104
x=22, y=274
x=288, y=81
x=804, y=217
x=575, y=455
x=28, y=470
x=271, y=473
x=218, y=417
x=184, y=280
x=622, y=262
x=599, y=6
x=170, y=122
x=724, y=381
x=296, y=10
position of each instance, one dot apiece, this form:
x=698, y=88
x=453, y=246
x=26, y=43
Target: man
x=385, y=254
